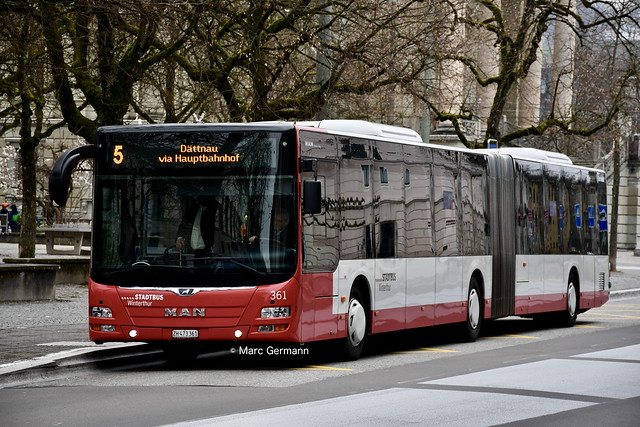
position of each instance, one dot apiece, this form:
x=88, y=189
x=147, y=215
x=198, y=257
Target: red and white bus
x=311, y=231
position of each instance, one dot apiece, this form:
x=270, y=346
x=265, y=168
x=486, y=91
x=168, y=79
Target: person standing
x=4, y=220
x=14, y=218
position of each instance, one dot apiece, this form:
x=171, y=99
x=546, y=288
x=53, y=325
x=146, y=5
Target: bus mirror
x=309, y=165
x=312, y=197
x=60, y=176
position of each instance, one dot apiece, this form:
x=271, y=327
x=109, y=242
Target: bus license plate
x=184, y=333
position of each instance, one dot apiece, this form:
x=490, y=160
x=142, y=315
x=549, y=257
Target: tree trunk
x=27, y=242
x=28, y=224
x=615, y=195
x=497, y=109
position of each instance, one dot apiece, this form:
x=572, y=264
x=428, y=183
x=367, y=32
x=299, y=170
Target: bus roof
x=356, y=128
x=195, y=127
x=364, y=128
x=351, y=127
x=533, y=154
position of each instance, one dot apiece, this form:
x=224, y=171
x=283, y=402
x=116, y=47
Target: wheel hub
x=357, y=323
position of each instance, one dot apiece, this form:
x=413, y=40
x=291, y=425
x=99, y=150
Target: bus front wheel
x=353, y=344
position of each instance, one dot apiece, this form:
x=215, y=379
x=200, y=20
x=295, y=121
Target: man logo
x=186, y=292
x=184, y=312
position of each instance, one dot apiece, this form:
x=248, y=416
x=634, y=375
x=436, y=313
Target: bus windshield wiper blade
x=233, y=261
x=137, y=268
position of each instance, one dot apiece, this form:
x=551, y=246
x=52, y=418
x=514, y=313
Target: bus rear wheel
x=471, y=330
x=353, y=344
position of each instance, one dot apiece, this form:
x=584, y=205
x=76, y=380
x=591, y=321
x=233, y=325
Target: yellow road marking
x=426, y=350
x=513, y=336
x=438, y=350
x=322, y=368
x=610, y=305
x=614, y=316
x=522, y=336
x=589, y=327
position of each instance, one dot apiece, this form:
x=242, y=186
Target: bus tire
x=472, y=325
x=357, y=327
x=570, y=314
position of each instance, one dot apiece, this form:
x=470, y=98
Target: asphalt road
x=518, y=372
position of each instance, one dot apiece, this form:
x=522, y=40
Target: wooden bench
x=68, y=236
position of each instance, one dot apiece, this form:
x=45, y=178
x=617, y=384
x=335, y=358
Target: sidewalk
x=627, y=277
x=35, y=329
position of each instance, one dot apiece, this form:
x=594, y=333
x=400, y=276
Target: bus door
x=320, y=241
x=357, y=237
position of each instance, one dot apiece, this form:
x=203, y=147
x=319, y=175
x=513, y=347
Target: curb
x=625, y=293
x=55, y=365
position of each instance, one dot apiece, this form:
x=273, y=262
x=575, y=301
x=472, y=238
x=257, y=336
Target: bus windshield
x=185, y=209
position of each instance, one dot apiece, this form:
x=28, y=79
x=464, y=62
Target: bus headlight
x=103, y=328
x=101, y=312
x=273, y=312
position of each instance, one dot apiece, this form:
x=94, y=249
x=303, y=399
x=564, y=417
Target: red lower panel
x=451, y=312
x=390, y=319
x=318, y=320
x=421, y=316
x=593, y=299
x=540, y=303
x=326, y=323
x=395, y=319
x=558, y=302
x=487, y=309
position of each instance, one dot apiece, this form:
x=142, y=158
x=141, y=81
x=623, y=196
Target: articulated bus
x=331, y=230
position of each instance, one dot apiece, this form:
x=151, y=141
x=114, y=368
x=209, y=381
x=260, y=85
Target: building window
x=384, y=175
x=366, y=175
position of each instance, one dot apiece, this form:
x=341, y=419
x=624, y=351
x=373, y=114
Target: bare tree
x=263, y=58
x=26, y=89
x=515, y=31
x=98, y=51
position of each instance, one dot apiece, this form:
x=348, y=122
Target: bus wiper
x=138, y=267
x=233, y=261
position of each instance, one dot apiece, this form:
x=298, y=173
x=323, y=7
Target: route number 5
x=118, y=156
